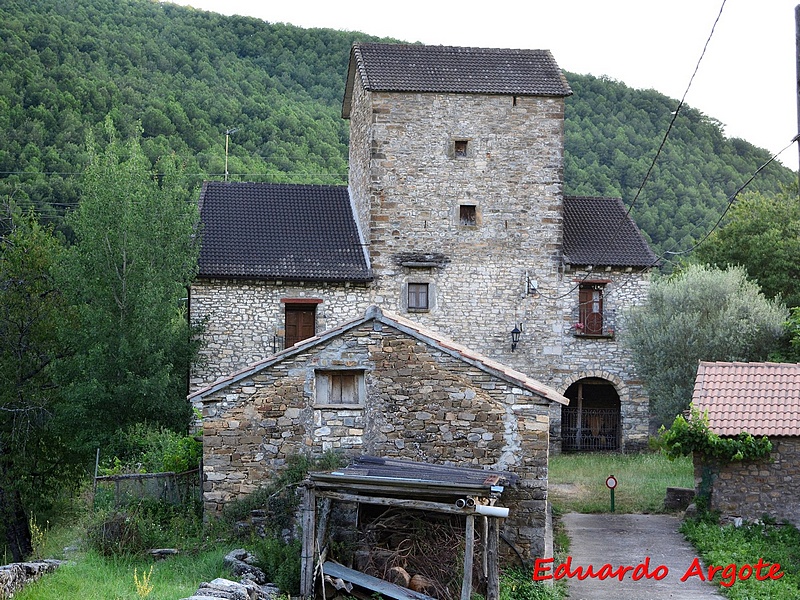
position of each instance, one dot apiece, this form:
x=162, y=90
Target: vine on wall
x=692, y=435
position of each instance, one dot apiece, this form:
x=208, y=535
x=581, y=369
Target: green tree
x=762, y=235
x=700, y=313
x=134, y=256
x=32, y=310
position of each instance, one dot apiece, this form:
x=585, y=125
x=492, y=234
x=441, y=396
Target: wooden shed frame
x=412, y=485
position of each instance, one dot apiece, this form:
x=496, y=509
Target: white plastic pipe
x=491, y=511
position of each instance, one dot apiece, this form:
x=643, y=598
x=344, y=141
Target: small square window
x=460, y=148
x=468, y=215
x=339, y=387
x=418, y=296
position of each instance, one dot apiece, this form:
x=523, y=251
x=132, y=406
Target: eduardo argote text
x=728, y=575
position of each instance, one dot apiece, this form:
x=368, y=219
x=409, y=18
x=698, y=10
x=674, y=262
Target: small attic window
x=460, y=148
x=468, y=215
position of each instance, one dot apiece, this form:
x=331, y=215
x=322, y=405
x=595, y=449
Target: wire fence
x=173, y=488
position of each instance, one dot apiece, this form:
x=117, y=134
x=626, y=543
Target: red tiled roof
x=759, y=398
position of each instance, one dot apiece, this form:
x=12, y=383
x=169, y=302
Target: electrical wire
x=664, y=139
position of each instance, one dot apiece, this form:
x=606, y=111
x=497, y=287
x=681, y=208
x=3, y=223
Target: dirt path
x=629, y=540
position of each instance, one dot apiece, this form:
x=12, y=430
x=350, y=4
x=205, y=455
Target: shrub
x=147, y=524
x=142, y=449
x=280, y=562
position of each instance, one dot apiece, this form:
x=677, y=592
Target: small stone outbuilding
x=760, y=399
x=386, y=386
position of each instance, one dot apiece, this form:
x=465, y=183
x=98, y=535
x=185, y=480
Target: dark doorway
x=591, y=422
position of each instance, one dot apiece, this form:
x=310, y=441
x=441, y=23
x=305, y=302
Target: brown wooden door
x=300, y=323
x=591, y=309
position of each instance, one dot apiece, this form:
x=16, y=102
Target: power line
x=622, y=221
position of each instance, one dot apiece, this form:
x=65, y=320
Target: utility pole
x=797, y=59
x=228, y=133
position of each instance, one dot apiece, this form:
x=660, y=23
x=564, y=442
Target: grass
x=91, y=576
x=727, y=545
x=577, y=482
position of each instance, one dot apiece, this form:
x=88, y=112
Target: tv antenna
x=228, y=133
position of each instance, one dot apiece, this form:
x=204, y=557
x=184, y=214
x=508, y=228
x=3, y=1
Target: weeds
x=143, y=586
x=746, y=545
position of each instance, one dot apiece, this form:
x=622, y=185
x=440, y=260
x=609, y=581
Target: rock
x=241, y=564
x=678, y=498
x=224, y=589
x=14, y=576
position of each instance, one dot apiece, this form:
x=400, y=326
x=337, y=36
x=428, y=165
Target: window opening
x=468, y=215
x=418, y=296
x=460, y=147
x=339, y=387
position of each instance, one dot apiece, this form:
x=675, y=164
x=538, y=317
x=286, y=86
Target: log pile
x=419, y=551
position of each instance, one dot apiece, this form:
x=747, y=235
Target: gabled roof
x=599, y=232
x=411, y=328
x=280, y=231
x=445, y=69
x=759, y=398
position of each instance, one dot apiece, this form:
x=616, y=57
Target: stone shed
x=386, y=386
x=760, y=399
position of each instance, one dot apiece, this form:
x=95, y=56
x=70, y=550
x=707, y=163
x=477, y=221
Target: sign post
x=611, y=483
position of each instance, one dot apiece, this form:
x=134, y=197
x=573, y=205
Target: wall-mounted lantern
x=515, y=334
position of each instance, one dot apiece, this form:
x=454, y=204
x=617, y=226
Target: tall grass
x=577, y=482
x=95, y=577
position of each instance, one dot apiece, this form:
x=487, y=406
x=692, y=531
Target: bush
x=280, y=562
x=148, y=524
x=142, y=449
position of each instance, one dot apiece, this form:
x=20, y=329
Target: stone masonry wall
x=512, y=174
x=605, y=358
x=420, y=403
x=243, y=319
x=751, y=489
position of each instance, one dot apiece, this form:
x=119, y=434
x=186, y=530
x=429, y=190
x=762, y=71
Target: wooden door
x=300, y=323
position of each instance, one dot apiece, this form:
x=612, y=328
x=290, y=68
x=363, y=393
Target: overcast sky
x=747, y=79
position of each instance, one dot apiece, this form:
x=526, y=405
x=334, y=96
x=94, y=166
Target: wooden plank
x=397, y=502
x=384, y=588
x=493, y=559
x=469, y=551
x=309, y=518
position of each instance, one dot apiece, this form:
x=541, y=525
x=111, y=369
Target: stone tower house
x=454, y=217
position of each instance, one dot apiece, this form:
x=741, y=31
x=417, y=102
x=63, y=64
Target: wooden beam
x=492, y=552
x=309, y=519
x=384, y=588
x=469, y=550
x=397, y=502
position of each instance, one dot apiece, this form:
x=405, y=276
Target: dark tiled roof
x=415, y=68
x=279, y=231
x=759, y=398
x=599, y=232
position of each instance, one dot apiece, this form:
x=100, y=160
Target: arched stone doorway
x=591, y=422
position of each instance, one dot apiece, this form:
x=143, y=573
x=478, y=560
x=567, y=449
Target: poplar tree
x=128, y=272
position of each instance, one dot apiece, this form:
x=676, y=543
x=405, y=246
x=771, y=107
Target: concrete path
x=628, y=540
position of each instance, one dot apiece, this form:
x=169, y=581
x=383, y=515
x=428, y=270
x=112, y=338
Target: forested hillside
x=184, y=77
